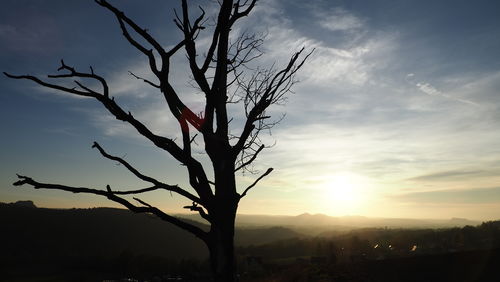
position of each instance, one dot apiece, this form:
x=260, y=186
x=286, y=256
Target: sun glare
x=346, y=193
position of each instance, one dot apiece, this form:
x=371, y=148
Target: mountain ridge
x=318, y=220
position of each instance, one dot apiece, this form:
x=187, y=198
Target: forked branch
x=200, y=210
x=264, y=89
x=237, y=14
x=252, y=158
x=157, y=184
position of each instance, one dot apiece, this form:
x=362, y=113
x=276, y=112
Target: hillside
x=100, y=243
x=105, y=232
x=97, y=232
x=321, y=222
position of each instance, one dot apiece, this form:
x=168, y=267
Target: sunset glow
x=396, y=113
x=346, y=193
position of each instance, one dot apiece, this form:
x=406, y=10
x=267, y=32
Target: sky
x=396, y=113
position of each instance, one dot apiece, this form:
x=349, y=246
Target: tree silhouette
x=223, y=75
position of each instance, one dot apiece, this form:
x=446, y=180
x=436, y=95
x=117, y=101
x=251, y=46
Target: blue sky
x=397, y=113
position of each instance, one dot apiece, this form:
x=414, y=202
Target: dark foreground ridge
x=110, y=244
x=466, y=266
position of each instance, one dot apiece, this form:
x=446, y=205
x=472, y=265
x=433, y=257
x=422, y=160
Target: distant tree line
x=380, y=243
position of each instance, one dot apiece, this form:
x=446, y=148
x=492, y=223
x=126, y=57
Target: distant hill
x=108, y=232
x=104, y=242
x=350, y=222
x=24, y=204
x=91, y=232
x=264, y=235
x=322, y=222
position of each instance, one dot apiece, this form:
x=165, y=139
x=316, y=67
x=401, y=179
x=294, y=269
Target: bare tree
x=224, y=76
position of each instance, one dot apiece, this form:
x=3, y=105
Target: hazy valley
x=106, y=242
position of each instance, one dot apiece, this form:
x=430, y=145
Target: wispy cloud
x=339, y=20
x=463, y=196
x=355, y=109
x=428, y=89
x=37, y=35
x=446, y=175
x=346, y=116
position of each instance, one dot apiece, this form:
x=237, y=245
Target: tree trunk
x=221, y=237
x=221, y=249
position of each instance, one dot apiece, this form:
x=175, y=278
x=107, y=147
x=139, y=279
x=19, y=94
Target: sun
x=345, y=193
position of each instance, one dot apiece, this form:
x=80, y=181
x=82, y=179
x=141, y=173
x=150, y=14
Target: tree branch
x=145, y=80
x=174, y=102
x=169, y=145
x=269, y=170
x=237, y=14
x=200, y=210
x=264, y=89
x=157, y=184
x=57, y=87
x=254, y=156
x=111, y=195
x=190, y=46
x=110, y=104
x=142, y=32
x=181, y=112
